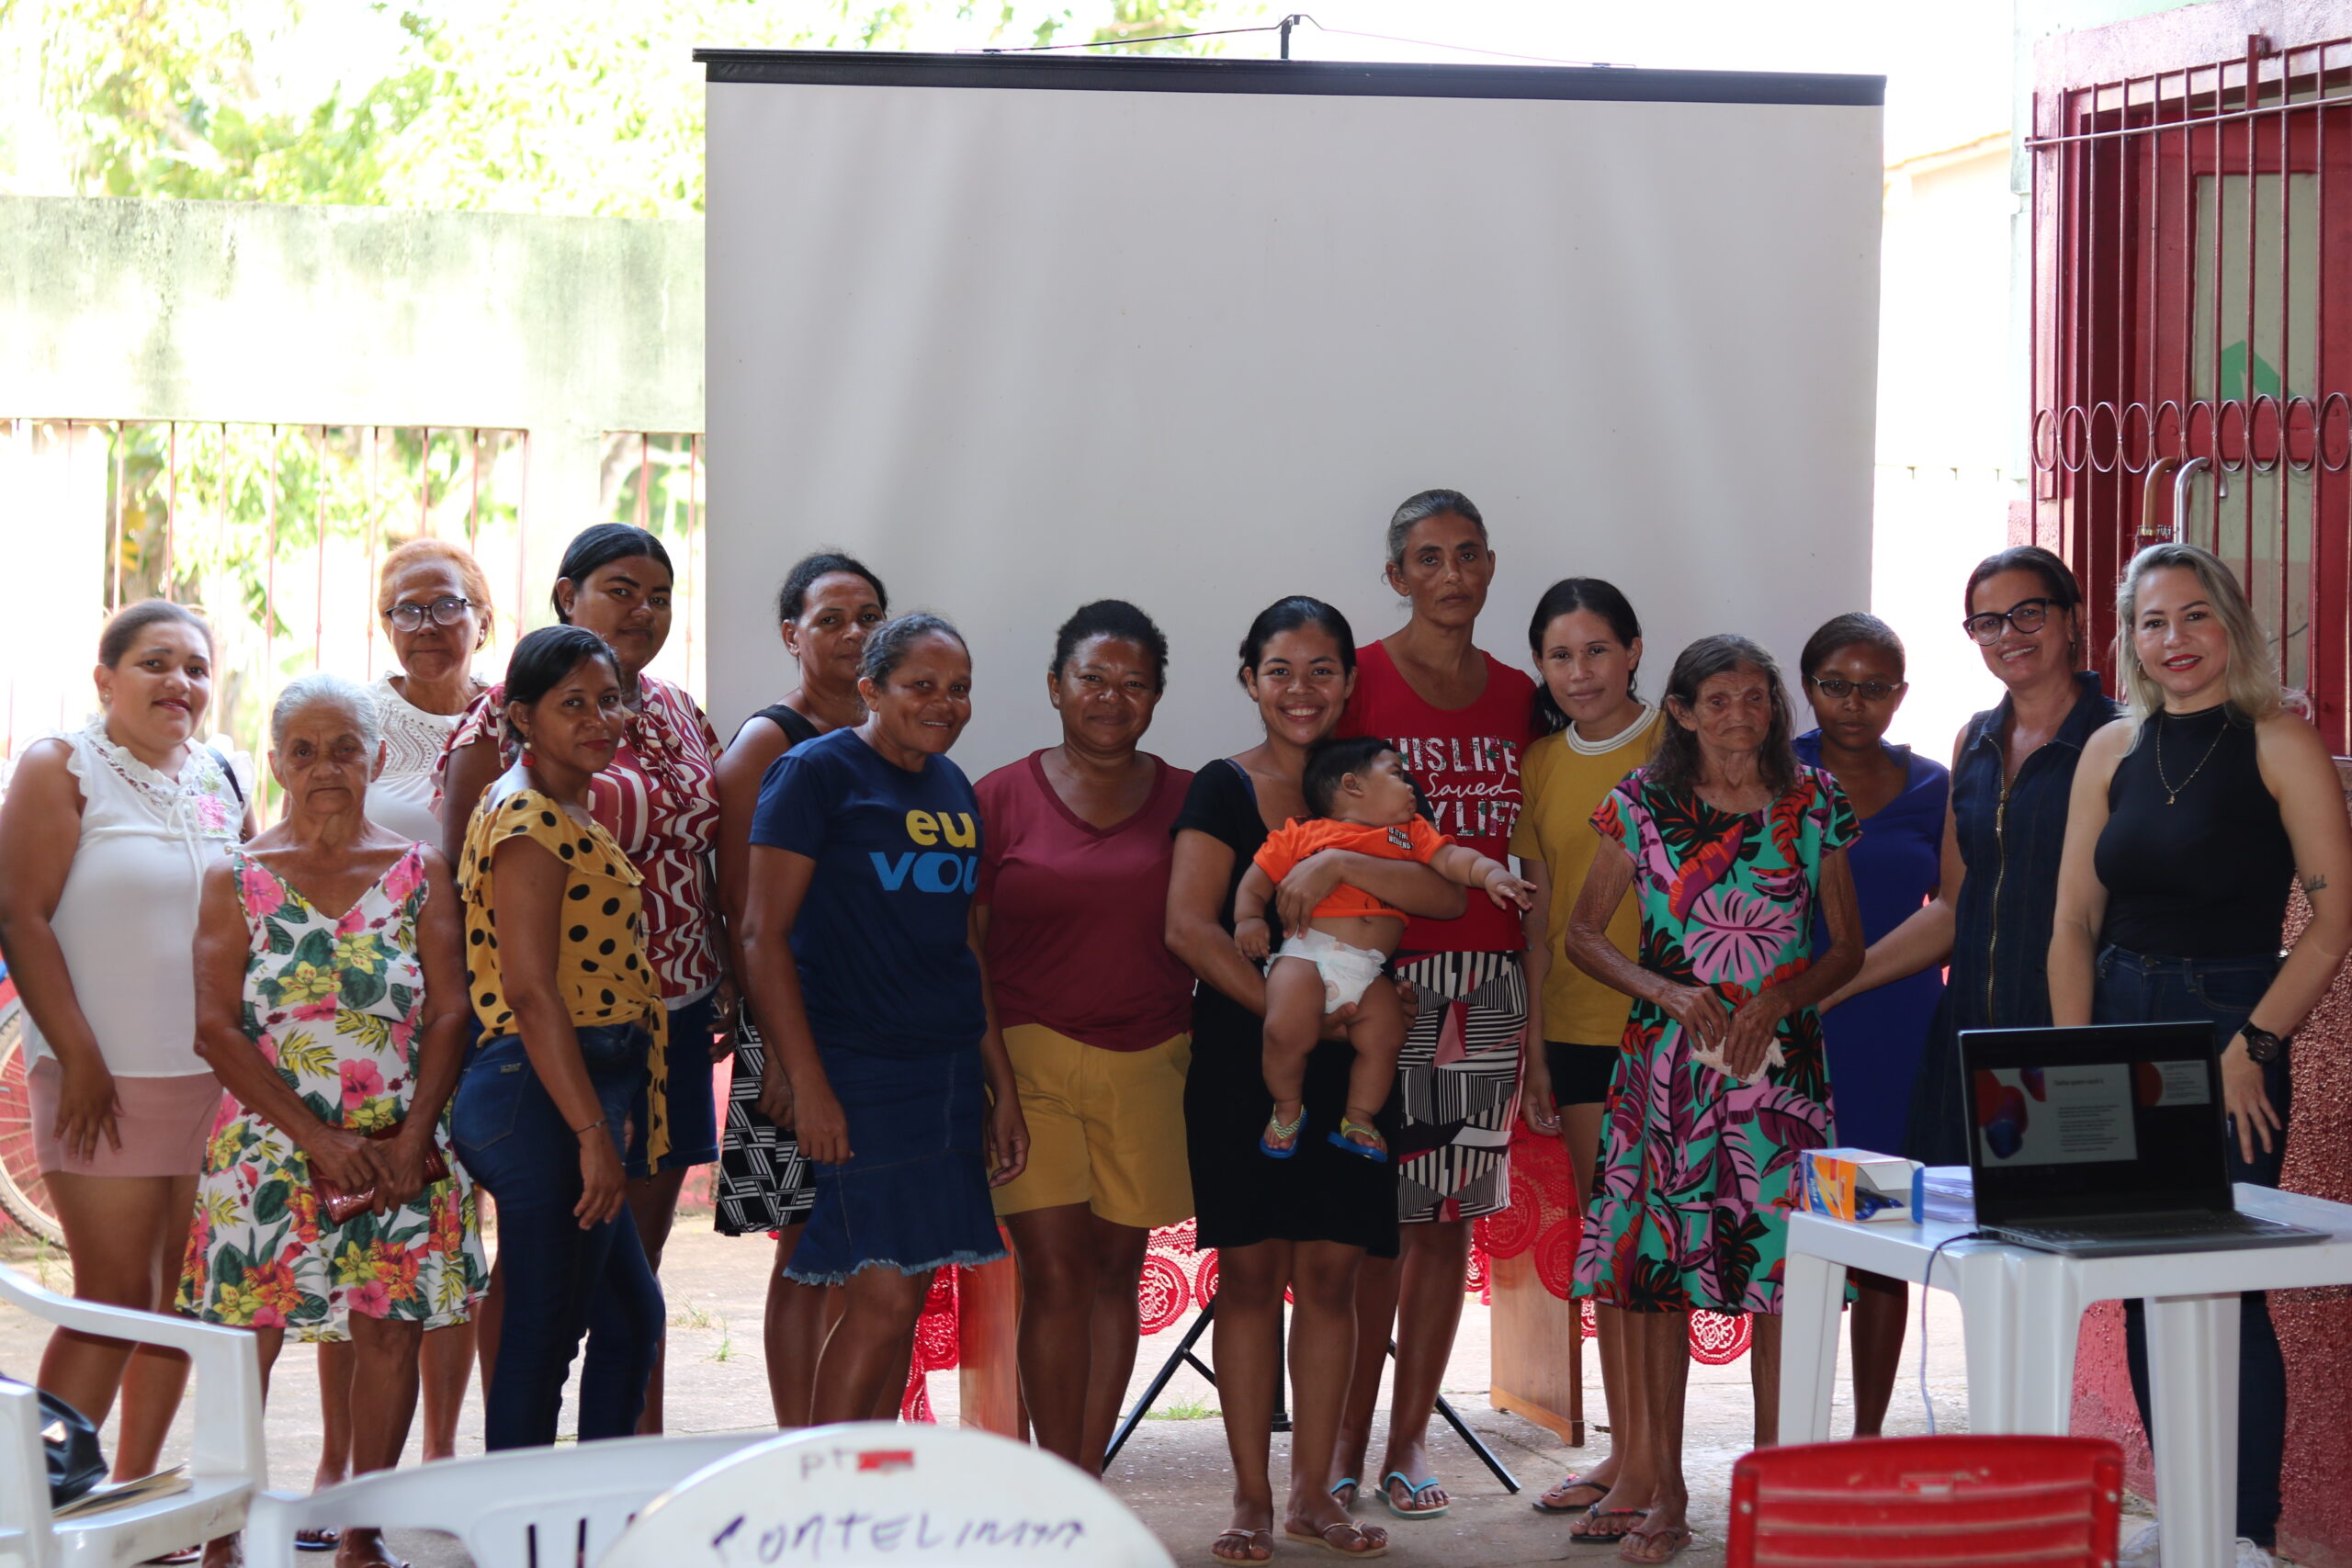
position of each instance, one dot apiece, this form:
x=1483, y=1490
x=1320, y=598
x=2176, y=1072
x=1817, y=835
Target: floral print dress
x=335, y=1003
x=1697, y=1171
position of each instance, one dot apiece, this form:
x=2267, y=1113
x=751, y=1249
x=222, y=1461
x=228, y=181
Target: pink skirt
x=165, y=1124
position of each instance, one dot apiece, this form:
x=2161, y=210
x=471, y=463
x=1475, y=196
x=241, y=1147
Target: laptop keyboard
x=2155, y=1227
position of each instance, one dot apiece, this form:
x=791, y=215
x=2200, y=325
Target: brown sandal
x=1322, y=1538
x=1249, y=1541
x=1675, y=1540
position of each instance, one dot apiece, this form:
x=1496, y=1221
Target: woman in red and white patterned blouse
x=660, y=801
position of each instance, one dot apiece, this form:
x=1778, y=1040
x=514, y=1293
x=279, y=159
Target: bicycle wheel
x=23, y=1194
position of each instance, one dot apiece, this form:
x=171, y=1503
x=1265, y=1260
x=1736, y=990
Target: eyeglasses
x=442, y=611
x=2025, y=616
x=1837, y=688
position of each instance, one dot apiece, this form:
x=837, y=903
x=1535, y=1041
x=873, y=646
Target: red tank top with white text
x=1466, y=762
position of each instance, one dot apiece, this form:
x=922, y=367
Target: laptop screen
x=2102, y=1120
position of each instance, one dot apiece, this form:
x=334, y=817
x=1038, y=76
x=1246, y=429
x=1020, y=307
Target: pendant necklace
x=2172, y=790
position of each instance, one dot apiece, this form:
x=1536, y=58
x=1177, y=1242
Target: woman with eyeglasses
x=434, y=605
x=2012, y=770
x=1853, y=674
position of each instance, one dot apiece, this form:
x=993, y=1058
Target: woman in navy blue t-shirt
x=857, y=954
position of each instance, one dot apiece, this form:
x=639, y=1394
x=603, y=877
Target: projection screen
x=1023, y=331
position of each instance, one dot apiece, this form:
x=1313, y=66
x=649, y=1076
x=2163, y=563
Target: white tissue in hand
x=1773, y=1057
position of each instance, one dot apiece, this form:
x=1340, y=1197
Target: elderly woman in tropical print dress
x=330, y=995
x=1728, y=844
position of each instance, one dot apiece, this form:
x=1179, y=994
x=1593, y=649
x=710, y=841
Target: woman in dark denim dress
x=2012, y=770
x=2189, y=821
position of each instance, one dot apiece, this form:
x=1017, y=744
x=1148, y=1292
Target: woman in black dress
x=828, y=605
x=2191, y=819
x=1302, y=1223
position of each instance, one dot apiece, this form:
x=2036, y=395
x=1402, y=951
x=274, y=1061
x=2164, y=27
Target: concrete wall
x=566, y=327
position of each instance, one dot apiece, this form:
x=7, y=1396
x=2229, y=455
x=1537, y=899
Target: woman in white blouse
x=105, y=837
x=435, y=604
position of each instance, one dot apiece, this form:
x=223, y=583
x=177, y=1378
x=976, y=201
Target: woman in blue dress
x=1853, y=672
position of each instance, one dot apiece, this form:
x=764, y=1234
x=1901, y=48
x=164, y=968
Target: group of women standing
x=1018, y=1001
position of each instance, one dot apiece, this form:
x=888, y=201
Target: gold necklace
x=2172, y=790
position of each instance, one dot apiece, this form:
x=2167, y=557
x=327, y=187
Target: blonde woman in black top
x=2190, y=818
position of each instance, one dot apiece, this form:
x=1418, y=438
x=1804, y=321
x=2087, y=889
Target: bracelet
x=583, y=1132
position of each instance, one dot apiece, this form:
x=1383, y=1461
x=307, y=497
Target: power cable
x=1284, y=27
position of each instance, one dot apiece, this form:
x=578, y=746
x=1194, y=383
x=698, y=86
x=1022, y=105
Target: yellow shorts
x=1106, y=1128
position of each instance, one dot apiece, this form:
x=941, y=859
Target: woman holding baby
x=1727, y=842
x=1306, y=1223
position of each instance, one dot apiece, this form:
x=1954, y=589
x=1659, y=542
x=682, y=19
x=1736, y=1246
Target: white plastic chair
x=23, y=1480
x=227, y=1463
x=877, y=1491
x=557, y=1508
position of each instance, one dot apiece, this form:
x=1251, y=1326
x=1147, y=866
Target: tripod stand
x=1183, y=1356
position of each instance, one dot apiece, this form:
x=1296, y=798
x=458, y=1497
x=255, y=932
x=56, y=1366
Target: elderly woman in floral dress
x=1730, y=847
x=330, y=997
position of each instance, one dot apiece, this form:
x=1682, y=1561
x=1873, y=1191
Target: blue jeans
x=561, y=1281
x=2137, y=988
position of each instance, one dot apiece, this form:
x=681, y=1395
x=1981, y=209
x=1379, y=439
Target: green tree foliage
x=573, y=107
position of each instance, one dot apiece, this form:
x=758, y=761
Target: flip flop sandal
x=1605, y=1536
x=1278, y=1128
x=1573, y=1483
x=1248, y=1539
x=317, y=1540
x=1322, y=1538
x=1676, y=1541
x=1348, y=1484
x=1375, y=1151
x=1412, y=1494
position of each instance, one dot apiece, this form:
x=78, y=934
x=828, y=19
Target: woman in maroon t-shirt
x=1097, y=1017
x=1460, y=719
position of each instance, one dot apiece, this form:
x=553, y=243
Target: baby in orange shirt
x=1363, y=801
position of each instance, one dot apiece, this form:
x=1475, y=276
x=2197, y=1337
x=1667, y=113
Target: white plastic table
x=2021, y=1311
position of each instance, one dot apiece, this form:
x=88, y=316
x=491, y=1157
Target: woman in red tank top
x=1460, y=719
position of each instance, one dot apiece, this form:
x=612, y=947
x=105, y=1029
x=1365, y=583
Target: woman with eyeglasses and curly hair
x=2012, y=769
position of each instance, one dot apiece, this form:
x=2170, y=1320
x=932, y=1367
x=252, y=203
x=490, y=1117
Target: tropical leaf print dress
x=335, y=1004
x=1697, y=1171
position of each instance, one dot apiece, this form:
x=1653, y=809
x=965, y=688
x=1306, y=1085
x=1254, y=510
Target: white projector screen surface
x=1019, y=346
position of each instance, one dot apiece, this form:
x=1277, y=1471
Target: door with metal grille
x=2192, y=323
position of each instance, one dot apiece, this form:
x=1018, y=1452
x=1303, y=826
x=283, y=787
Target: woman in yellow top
x=572, y=1021
x=1588, y=647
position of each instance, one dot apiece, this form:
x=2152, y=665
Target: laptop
x=2106, y=1140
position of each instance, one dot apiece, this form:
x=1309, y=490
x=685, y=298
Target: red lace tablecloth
x=1543, y=1219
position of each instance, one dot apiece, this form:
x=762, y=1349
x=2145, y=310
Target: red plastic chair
x=2020, y=1502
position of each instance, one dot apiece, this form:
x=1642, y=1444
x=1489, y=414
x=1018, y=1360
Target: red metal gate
x=2192, y=332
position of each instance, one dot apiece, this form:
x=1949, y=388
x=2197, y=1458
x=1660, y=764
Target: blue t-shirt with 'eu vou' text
x=884, y=966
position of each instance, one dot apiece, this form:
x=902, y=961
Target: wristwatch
x=2261, y=1045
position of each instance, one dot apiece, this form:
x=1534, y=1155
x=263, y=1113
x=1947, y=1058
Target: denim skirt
x=914, y=1193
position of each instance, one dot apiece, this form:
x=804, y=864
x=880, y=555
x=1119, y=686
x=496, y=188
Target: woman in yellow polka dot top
x=572, y=1027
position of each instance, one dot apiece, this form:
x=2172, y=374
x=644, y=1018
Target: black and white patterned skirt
x=1458, y=1076
x=764, y=1184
